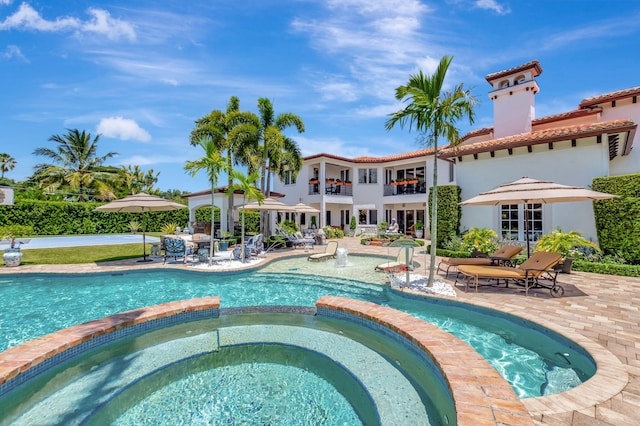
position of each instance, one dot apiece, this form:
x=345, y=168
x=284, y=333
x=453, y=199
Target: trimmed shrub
x=618, y=220
x=449, y=212
x=606, y=268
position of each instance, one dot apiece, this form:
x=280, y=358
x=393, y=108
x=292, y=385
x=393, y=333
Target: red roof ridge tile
x=619, y=94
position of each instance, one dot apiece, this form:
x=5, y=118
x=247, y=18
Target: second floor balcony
x=330, y=187
x=405, y=187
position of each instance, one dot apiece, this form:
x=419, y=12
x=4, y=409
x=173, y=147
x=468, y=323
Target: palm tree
x=213, y=163
x=76, y=166
x=220, y=126
x=267, y=148
x=134, y=180
x=7, y=163
x=433, y=113
x=246, y=184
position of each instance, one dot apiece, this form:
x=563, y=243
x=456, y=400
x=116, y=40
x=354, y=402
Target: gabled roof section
x=534, y=65
x=566, y=115
x=543, y=136
x=607, y=97
x=366, y=159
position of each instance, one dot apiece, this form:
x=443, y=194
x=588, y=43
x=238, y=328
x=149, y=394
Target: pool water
x=219, y=389
x=530, y=360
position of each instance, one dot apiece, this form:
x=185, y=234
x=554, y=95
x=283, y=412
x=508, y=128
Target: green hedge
x=606, y=268
x=449, y=212
x=63, y=218
x=618, y=220
x=449, y=253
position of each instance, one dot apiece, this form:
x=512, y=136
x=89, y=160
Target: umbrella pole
x=144, y=239
x=526, y=228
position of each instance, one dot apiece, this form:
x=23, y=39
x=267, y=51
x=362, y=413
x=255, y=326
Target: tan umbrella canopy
x=531, y=191
x=268, y=204
x=305, y=208
x=140, y=203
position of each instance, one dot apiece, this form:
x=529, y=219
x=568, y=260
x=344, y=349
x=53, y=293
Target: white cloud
x=28, y=18
x=101, y=23
x=6, y=2
x=122, y=128
x=13, y=52
x=493, y=5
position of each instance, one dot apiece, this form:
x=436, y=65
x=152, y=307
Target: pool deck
x=600, y=310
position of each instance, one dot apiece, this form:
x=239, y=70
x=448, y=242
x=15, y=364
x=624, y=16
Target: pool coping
x=481, y=395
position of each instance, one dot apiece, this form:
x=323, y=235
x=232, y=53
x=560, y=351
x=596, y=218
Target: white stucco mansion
x=571, y=148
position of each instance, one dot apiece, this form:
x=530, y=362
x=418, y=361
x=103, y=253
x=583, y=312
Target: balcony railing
x=331, y=187
x=405, y=188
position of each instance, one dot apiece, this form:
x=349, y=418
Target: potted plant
x=13, y=256
x=223, y=245
x=134, y=226
x=313, y=181
x=419, y=227
x=352, y=226
x=565, y=243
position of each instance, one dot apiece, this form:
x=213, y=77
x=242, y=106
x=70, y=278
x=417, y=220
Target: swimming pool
x=81, y=240
x=532, y=359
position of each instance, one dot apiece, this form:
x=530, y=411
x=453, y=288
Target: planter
x=313, y=182
x=564, y=266
x=419, y=233
x=12, y=257
x=223, y=245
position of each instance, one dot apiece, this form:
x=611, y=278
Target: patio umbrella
x=531, y=191
x=140, y=203
x=269, y=204
x=305, y=208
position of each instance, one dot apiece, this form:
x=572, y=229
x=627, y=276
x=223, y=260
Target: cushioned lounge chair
x=401, y=261
x=329, y=252
x=297, y=240
x=537, y=271
x=501, y=256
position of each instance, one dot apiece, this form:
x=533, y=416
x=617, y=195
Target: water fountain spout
x=342, y=257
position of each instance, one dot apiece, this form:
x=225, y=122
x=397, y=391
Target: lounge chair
x=401, y=262
x=329, y=252
x=537, y=271
x=500, y=257
x=174, y=247
x=297, y=240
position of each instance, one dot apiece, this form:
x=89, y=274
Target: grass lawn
x=84, y=254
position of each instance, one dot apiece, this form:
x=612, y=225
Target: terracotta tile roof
x=612, y=96
x=533, y=64
x=543, y=136
x=366, y=159
x=566, y=115
x=477, y=132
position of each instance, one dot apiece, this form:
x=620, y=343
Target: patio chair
x=174, y=247
x=329, y=252
x=404, y=258
x=255, y=245
x=500, y=257
x=537, y=271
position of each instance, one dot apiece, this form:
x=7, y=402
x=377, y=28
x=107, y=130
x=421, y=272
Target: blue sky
x=140, y=72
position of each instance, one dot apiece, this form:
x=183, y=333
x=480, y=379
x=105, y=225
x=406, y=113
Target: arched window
x=504, y=83
x=519, y=80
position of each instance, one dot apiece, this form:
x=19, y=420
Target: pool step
x=396, y=399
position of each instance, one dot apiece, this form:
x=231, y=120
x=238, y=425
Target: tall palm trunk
x=213, y=221
x=434, y=212
x=230, y=209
